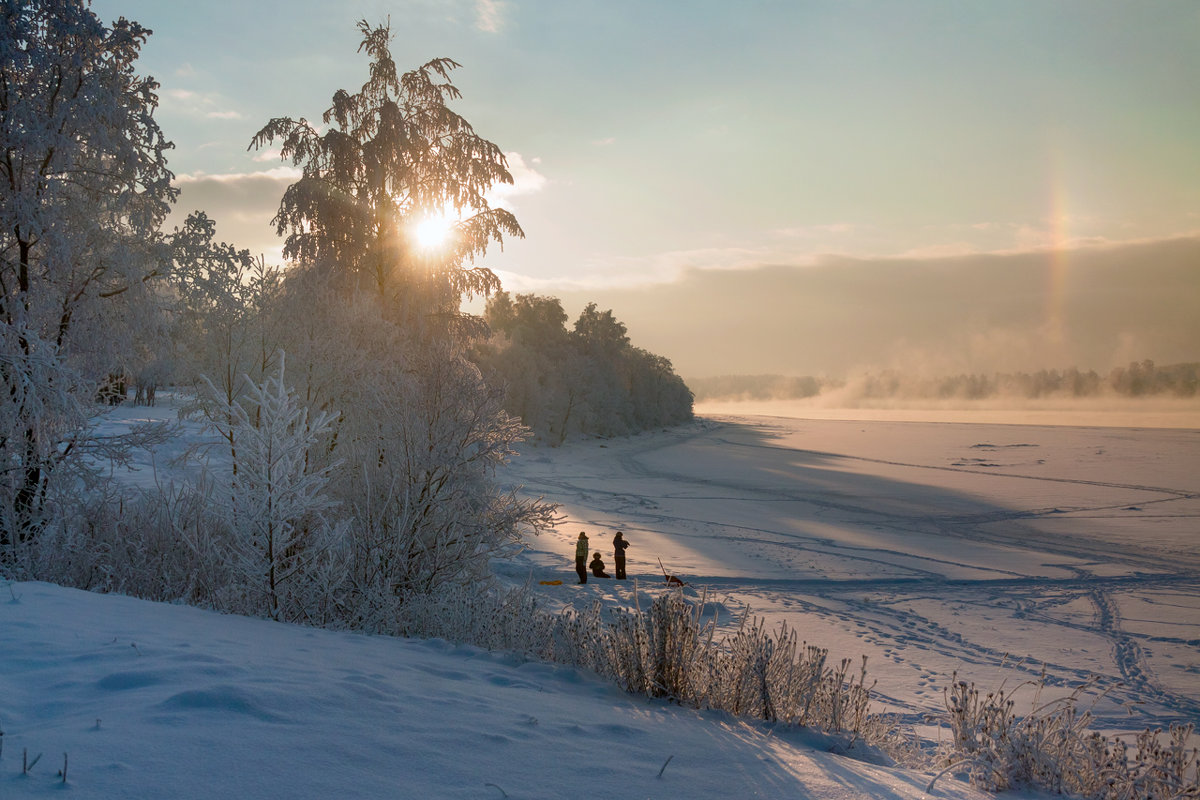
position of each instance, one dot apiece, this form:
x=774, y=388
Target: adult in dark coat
x=619, y=545
x=581, y=553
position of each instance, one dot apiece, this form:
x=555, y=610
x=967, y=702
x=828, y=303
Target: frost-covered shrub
x=511, y=620
x=667, y=651
x=1054, y=749
x=176, y=544
x=254, y=539
x=580, y=638
x=140, y=544
x=274, y=502
x=657, y=653
x=671, y=651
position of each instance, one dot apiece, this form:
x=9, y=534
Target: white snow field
x=927, y=547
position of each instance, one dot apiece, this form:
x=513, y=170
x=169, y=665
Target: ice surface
x=987, y=549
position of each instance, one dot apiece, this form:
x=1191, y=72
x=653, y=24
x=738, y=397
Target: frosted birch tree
x=389, y=158
x=378, y=317
x=85, y=189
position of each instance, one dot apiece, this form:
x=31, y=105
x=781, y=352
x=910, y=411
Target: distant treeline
x=1139, y=379
x=589, y=380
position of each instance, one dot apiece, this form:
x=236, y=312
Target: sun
x=433, y=232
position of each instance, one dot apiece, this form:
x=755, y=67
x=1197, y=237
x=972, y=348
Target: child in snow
x=598, y=567
x=581, y=551
x=619, y=546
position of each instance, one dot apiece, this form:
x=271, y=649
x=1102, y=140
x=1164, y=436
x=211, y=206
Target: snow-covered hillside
x=157, y=701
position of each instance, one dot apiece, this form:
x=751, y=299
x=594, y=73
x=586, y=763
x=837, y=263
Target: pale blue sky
x=652, y=138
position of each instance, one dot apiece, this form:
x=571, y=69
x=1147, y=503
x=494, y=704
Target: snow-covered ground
x=927, y=547
x=157, y=701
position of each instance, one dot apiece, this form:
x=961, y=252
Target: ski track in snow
x=973, y=571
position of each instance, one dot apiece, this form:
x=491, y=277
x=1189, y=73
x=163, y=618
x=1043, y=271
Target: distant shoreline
x=1112, y=413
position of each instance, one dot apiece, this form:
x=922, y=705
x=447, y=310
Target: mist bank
x=1140, y=379
x=1093, y=306
x=1140, y=395
x=1083, y=412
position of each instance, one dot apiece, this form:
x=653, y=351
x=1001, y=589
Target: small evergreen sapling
x=276, y=500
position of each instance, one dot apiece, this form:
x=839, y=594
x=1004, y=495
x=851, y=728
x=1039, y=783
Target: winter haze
x=1095, y=308
x=795, y=188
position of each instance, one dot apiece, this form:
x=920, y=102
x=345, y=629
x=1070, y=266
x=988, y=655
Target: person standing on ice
x=619, y=545
x=581, y=553
x=597, y=566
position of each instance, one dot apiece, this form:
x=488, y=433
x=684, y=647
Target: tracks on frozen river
x=975, y=568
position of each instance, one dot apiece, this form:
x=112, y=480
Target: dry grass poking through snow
x=1053, y=748
x=670, y=651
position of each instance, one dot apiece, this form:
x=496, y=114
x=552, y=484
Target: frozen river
x=991, y=550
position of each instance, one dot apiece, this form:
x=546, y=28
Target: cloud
x=1094, y=307
x=285, y=174
x=526, y=180
x=209, y=105
x=242, y=204
x=635, y=273
x=490, y=15
x=943, y=250
x=810, y=231
x=1029, y=237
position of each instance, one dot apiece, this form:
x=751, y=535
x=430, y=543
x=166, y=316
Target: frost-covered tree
x=586, y=381
x=375, y=321
x=275, y=502
x=85, y=189
x=389, y=157
x=225, y=328
x=537, y=383
x=659, y=396
x=534, y=359
x=418, y=436
x=606, y=384
x=600, y=331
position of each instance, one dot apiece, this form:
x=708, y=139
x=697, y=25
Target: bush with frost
x=273, y=502
x=1054, y=748
x=666, y=650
